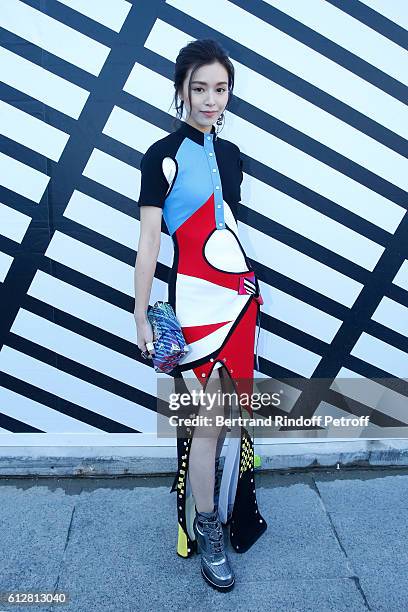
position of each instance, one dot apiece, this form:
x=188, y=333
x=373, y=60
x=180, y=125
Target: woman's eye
x=219, y=88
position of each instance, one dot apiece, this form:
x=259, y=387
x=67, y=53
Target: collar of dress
x=196, y=134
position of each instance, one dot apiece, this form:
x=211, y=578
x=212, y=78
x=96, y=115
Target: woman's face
x=209, y=92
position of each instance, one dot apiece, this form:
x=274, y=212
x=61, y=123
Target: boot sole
x=217, y=587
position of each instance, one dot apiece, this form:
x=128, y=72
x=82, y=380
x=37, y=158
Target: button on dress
x=195, y=177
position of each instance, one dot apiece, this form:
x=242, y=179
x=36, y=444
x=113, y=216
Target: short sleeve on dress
x=153, y=184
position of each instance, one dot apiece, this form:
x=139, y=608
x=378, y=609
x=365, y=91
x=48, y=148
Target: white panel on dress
x=199, y=302
x=223, y=252
x=169, y=170
x=191, y=380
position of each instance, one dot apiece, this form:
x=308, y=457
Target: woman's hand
x=144, y=335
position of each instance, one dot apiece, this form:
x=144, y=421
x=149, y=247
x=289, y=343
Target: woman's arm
x=145, y=267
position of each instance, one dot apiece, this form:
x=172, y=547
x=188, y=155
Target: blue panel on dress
x=193, y=185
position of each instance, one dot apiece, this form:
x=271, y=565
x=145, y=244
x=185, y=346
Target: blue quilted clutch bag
x=169, y=343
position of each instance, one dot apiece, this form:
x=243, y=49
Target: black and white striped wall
x=320, y=114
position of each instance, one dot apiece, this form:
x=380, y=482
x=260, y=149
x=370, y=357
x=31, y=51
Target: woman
x=193, y=177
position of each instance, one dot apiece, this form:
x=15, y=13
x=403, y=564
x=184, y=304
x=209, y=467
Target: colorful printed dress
x=195, y=177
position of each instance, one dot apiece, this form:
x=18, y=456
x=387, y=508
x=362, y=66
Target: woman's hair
x=194, y=55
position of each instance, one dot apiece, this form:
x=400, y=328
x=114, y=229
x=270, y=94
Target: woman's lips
x=209, y=113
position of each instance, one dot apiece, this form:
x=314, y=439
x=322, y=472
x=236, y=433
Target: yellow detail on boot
x=182, y=542
x=257, y=461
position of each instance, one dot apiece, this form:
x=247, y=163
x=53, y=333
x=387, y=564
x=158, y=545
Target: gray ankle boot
x=215, y=565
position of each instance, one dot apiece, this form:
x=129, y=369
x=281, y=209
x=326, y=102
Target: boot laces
x=215, y=537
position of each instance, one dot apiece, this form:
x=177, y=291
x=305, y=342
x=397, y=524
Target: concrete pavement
x=336, y=540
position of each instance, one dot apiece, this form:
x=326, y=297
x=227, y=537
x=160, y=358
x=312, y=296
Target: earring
x=220, y=118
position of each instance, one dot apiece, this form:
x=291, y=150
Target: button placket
x=216, y=181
